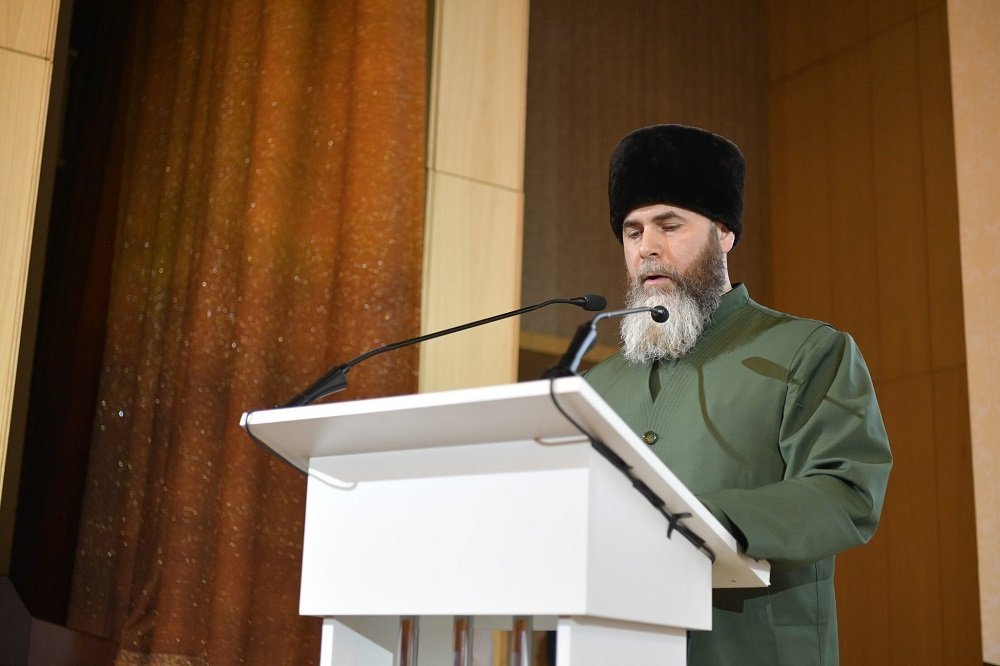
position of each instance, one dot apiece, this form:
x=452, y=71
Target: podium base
x=580, y=641
x=587, y=641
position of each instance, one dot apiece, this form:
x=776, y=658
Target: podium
x=490, y=503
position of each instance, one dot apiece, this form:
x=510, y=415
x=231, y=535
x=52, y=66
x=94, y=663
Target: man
x=769, y=419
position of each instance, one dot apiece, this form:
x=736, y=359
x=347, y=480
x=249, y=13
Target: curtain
x=270, y=225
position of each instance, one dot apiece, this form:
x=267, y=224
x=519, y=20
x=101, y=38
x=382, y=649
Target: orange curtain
x=270, y=225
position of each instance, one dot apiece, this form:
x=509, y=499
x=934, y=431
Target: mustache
x=653, y=267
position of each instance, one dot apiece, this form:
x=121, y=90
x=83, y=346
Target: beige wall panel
x=909, y=522
x=853, y=225
x=940, y=192
x=477, y=129
x=801, y=257
x=24, y=81
x=974, y=43
x=956, y=517
x=29, y=26
x=899, y=204
x=472, y=258
x=472, y=246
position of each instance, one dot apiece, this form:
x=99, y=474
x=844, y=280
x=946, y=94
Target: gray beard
x=691, y=303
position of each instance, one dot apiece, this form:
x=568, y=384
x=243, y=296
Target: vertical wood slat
x=899, y=211
x=940, y=192
x=801, y=256
x=910, y=522
x=956, y=517
x=776, y=43
x=863, y=602
x=853, y=230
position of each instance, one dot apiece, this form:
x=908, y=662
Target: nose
x=650, y=246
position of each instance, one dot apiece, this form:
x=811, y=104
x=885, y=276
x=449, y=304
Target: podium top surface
x=495, y=414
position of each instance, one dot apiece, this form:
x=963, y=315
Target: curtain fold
x=270, y=225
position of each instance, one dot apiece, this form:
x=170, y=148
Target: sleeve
x=837, y=461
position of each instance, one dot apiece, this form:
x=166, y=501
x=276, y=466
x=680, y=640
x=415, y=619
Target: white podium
x=489, y=503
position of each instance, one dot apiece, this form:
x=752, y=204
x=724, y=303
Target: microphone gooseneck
x=586, y=333
x=335, y=379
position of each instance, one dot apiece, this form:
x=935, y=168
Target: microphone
x=335, y=378
x=586, y=333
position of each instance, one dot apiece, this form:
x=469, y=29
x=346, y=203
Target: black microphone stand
x=335, y=379
x=586, y=333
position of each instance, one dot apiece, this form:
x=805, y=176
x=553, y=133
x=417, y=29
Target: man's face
x=663, y=242
x=677, y=259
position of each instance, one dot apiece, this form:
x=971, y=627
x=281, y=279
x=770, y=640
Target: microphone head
x=659, y=314
x=592, y=302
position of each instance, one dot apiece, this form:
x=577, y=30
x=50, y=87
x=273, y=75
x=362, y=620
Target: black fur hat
x=679, y=166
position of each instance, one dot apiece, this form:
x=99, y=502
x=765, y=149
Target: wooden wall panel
x=598, y=70
x=811, y=31
x=24, y=80
x=863, y=598
x=803, y=31
x=884, y=14
x=465, y=281
x=801, y=254
x=863, y=225
x=475, y=160
x=29, y=26
x=909, y=521
x=480, y=68
x=887, y=180
x=853, y=232
x=845, y=23
x=899, y=203
x=974, y=51
x=956, y=518
x=940, y=193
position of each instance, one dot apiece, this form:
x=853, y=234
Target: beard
x=692, y=301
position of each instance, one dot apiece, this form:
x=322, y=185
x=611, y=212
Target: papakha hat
x=678, y=166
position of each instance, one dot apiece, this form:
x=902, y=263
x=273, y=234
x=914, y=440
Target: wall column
x=974, y=44
x=475, y=191
x=27, y=43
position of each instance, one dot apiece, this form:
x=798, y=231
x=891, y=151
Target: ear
x=726, y=237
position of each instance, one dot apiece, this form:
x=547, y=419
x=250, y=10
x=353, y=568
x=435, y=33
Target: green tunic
x=772, y=422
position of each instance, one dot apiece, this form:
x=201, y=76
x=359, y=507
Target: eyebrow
x=666, y=215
